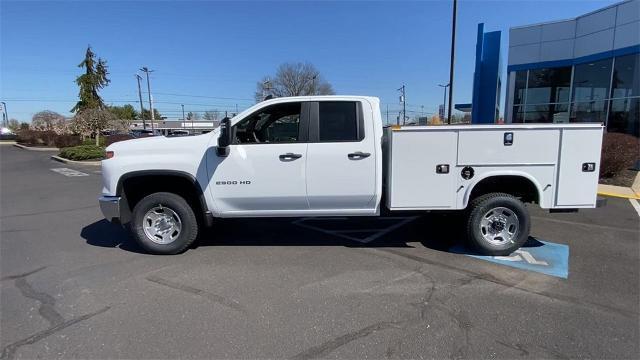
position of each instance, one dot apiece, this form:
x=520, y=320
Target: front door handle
x=289, y=156
x=358, y=155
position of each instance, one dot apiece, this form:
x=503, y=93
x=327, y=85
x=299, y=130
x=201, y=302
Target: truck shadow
x=105, y=234
x=440, y=232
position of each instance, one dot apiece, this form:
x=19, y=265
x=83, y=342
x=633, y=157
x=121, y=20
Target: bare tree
x=293, y=79
x=47, y=121
x=211, y=115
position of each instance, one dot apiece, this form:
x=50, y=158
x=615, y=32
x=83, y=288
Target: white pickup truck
x=330, y=156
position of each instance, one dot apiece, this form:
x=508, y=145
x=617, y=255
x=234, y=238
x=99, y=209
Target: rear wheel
x=498, y=224
x=164, y=223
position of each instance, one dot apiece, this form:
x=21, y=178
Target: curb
x=33, y=148
x=617, y=191
x=67, y=161
x=7, y=142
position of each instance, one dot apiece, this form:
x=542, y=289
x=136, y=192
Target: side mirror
x=226, y=137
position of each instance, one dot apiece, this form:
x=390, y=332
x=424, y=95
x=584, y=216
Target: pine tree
x=91, y=82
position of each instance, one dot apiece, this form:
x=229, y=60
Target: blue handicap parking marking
x=536, y=255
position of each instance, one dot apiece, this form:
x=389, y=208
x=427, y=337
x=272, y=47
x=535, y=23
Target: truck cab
x=301, y=157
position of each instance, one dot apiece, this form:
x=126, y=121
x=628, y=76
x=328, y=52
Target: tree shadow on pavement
x=105, y=234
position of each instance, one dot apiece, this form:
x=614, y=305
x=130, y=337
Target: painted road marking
x=540, y=256
x=375, y=233
x=69, y=172
x=635, y=205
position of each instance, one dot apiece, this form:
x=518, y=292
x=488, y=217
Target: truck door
x=341, y=160
x=264, y=173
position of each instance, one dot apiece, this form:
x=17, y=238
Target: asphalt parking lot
x=75, y=286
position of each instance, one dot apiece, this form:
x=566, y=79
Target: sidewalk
x=632, y=192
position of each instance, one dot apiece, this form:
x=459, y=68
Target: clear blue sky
x=221, y=49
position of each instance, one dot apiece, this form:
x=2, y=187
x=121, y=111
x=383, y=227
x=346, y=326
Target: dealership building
x=585, y=69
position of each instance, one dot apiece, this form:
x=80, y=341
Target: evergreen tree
x=91, y=82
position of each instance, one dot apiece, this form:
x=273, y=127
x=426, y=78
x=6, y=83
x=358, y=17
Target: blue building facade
x=485, y=105
x=585, y=69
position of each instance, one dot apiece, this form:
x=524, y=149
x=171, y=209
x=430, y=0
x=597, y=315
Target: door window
x=338, y=121
x=278, y=123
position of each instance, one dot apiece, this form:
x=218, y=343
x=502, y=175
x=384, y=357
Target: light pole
x=453, y=55
x=444, y=102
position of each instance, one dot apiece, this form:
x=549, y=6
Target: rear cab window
x=340, y=121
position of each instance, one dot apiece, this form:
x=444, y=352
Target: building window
x=589, y=111
x=591, y=81
x=624, y=116
x=547, y=113
x=626, y=77
x=520, y=88
x=549, y=85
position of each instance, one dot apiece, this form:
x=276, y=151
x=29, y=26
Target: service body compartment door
x=418, y=178
x=577, y=180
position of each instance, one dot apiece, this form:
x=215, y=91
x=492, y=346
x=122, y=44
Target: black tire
x=480, y=207
x=189, y=223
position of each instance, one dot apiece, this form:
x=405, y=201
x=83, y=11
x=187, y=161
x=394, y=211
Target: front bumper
x=110, y=207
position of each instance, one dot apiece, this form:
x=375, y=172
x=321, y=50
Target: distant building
x=585, y=69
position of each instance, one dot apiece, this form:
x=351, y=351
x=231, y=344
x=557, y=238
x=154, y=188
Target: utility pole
x=387, y=114
x=453, y=56
x=444, y=102
x=182, y=114
x=147, y=71
x=403, y=100
x=144, y=123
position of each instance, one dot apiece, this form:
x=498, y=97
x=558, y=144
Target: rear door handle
x=358, y=155
x=290, y=156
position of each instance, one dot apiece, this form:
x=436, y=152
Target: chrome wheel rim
x=162, y=225
x=499, y=226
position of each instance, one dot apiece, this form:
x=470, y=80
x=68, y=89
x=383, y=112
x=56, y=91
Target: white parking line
x=635, y=205
x=343, y=233
x=69, y=172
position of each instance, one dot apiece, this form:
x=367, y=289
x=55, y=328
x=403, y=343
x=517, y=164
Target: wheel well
x=135, y=188
x=517, y=186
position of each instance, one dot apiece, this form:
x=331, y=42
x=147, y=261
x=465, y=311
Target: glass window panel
x=548, y=113
x=338, y=121
x=518, y=115
x=624, y=116
x=520, y=88
x=591, y=81
x=275, y=124
x=626, y=76
x=591, y=111
x=549, y=85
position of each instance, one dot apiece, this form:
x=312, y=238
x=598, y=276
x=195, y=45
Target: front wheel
x=498, y=224
x=164, y=223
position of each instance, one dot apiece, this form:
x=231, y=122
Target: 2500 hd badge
x=234, y=182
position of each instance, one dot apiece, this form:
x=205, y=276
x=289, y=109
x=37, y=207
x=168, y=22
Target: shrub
x=92, y=141
x=63, y=141
x=619, y=152
x=117, y=137
x=83, y=152
x=37, y=138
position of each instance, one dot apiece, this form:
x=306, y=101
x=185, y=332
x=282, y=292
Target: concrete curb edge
x=33, y=148
x=67, y=161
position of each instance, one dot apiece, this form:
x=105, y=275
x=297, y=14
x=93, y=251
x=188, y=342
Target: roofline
x=570, y=19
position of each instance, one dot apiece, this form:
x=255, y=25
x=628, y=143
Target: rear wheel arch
x=520, y=185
